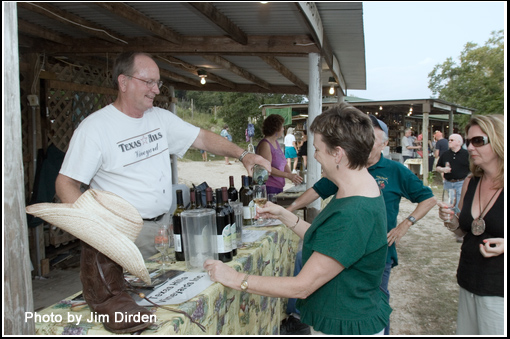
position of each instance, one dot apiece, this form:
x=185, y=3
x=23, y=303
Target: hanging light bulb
x=202, y=74
x=332, y=83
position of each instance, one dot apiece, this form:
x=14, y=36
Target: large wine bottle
x=223, y=229
x=247, y=200
x=232, y=217
x=176, y=219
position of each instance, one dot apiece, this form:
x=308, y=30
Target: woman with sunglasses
x=480, y=274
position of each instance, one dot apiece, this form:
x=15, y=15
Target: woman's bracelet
x=297, y=222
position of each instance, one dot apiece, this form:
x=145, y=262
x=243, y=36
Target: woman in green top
x=344, y=249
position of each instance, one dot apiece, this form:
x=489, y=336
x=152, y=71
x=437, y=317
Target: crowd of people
x=341, y=276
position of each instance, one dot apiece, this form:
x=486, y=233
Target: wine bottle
x=198, y=199
x=223, y=229
x=247, y=198
x=242, y=186
x=209, y=198
x=176, y=219
x=192, y=199
x=233, y=195
x=232, y=218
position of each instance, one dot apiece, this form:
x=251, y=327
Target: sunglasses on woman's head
x=477, y=141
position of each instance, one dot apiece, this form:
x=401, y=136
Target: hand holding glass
x=260, y=198
x=450, y=198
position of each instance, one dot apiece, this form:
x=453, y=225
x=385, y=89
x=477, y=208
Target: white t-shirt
x=289, y=139
x=407, y=141
x=130, y=157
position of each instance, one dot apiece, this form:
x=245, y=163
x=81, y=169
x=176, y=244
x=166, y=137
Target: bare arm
x=264, y=150
x=318, y=270
x=216, y=144
x=304, y=199
x=67, y=189
x=420, y=211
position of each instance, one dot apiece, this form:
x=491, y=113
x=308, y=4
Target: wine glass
x=260, y=199
x=450, y=198
x=162, y=244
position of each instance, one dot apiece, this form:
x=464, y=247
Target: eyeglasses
x=477, y=141
x=150, y=83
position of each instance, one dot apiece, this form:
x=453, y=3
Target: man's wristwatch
x=411, y=219
x=244, y=284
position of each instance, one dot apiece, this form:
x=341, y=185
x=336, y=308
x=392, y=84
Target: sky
x=405, y=40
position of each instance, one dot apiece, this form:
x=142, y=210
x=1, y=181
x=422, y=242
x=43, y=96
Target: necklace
x=478, y=225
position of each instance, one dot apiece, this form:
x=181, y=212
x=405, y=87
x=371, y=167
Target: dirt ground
x=423, y=287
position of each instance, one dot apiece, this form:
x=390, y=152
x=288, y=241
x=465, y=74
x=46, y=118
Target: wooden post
x=18, y=299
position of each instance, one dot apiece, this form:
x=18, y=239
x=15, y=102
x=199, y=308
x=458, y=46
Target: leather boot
x=104, y=290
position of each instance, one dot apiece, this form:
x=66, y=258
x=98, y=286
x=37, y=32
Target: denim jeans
x=455, y=185
x=384, y=288
x=298, y=264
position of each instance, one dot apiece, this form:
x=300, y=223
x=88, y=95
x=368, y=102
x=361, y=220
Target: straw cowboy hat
x=103, y=220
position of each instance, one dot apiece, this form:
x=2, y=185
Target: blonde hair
x=494, y=127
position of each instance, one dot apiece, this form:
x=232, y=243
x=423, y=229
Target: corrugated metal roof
x=242, y=33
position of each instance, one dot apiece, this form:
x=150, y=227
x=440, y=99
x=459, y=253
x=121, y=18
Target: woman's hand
x=492, y=247
x=270, y=211
x=220, y=272
x=445, y=213
x=295, y=178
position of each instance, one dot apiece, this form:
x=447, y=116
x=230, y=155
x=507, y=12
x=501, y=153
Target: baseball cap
x=378, y=123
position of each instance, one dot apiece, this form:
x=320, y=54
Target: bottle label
x=223, y=241
x=233, y=236
x=177, y=243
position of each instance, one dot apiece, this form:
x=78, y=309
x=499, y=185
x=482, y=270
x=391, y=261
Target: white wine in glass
x=260, y=199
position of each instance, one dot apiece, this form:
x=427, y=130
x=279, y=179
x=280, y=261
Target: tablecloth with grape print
x=221, y=310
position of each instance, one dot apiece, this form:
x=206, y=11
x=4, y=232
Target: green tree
x=238, y=107
x=477, y=81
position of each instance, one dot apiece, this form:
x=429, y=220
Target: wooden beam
x=183, y=65
x=311, y=16
x=277, y=65
x=69, y=19
x=179, y=78
x=39, y=32
x=220, y=20
x=138, y=18
x=248, y=88
x=299, y=45
x=80, y=87
x=237, y=70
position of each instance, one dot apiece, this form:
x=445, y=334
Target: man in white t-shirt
x=408, y=146
x=125, y=147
